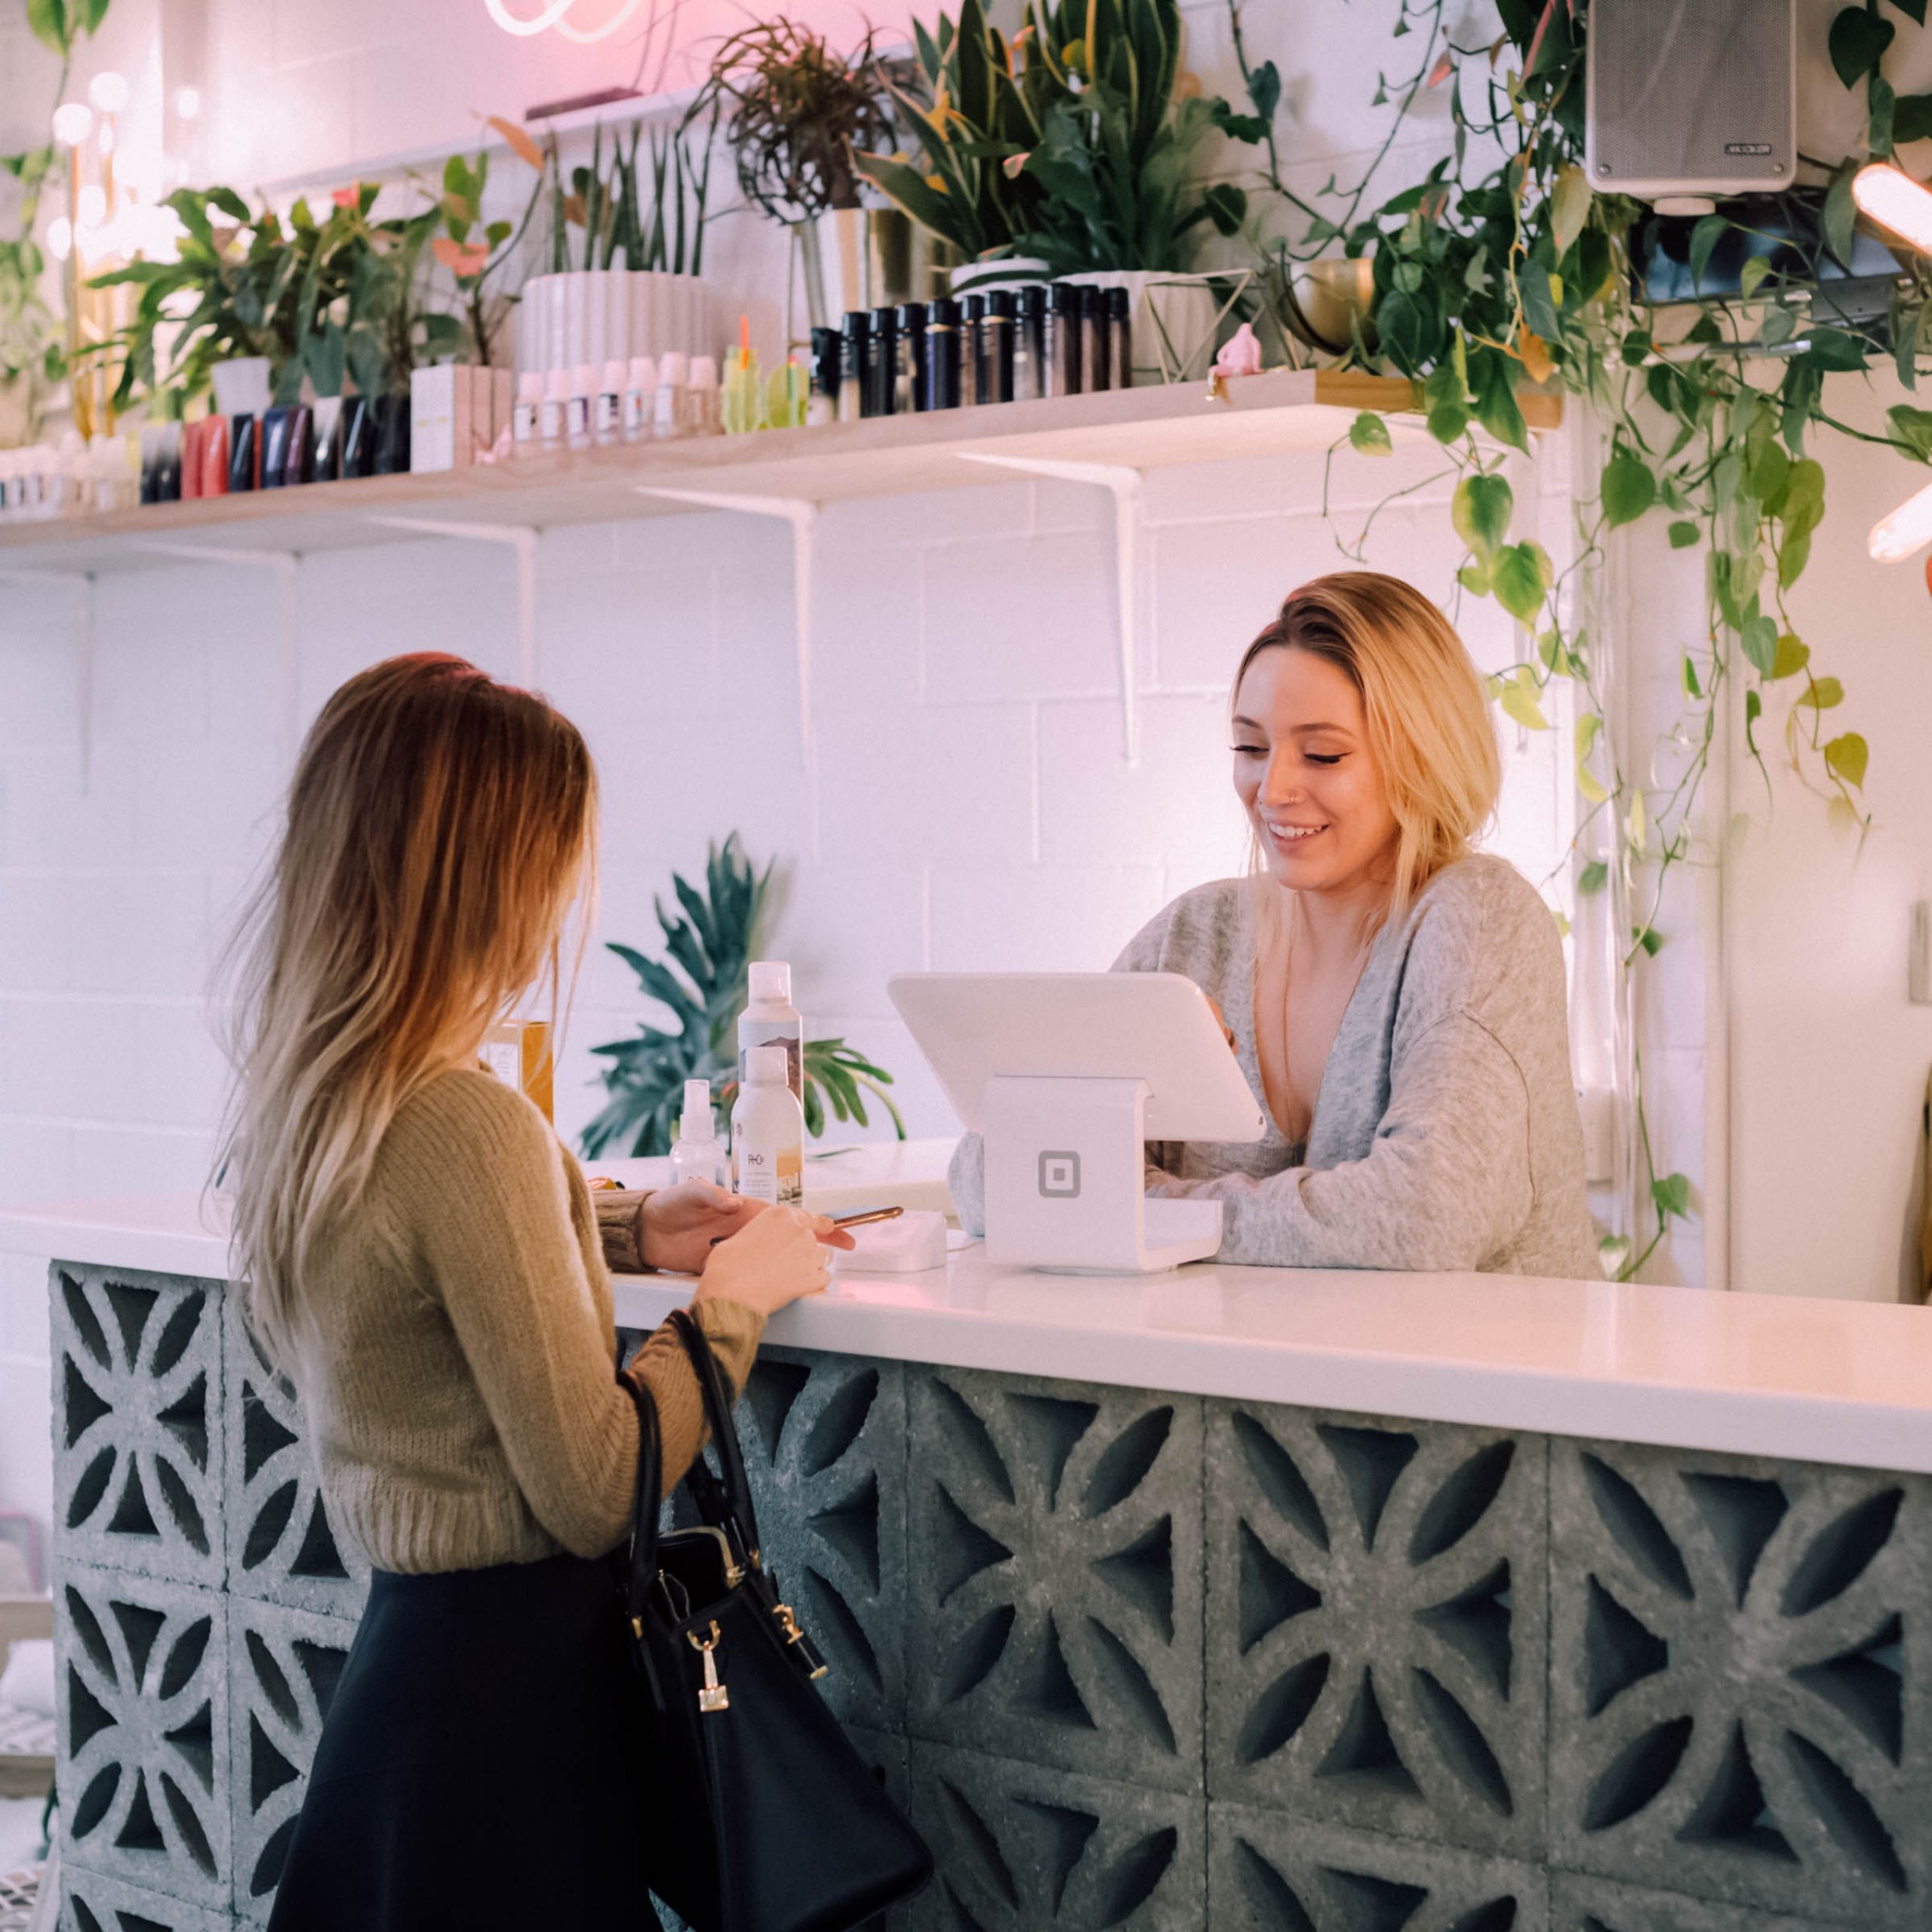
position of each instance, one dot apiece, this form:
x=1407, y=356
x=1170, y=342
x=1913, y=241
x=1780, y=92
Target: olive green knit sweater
x=458, y=1380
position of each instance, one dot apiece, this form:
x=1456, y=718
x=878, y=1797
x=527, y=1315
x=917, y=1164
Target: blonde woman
x=1398, y=999
x=423, y=1261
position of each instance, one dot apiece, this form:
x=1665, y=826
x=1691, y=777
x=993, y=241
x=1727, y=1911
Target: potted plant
x=797, y=116
x=711, y=943
x=1079, y=142
x=626, y=252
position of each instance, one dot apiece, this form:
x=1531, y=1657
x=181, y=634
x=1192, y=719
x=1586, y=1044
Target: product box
x=440, y=405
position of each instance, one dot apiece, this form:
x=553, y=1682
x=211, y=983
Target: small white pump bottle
x=768, y=1133
x=698, y=1154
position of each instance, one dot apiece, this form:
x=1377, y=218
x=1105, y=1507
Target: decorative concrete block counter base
x=1135, y=1659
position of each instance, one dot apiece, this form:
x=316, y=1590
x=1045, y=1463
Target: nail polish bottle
x=640, y=398
x=529, y=408
x=577, y=424
x=855, y=341
x=553, y=412
x=943, y=354
x=609, y=425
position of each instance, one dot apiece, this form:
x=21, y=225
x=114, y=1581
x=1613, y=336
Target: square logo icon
x=1059, y=1176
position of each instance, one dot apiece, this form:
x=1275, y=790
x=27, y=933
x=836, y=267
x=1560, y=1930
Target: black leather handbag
x=761, y=1816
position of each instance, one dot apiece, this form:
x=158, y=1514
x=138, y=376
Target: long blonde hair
x=1424, y=704
x=439, y=826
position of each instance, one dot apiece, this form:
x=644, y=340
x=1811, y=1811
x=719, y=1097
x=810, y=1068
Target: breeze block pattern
x=1270, y=1872
x=138, y=1434
x=1055, y=1607
x=286, y=1664
x=1133, y=1660
x=1377, y=1623
x=824, y=1441
x=1741, y=1656
x=143, y=1759
x=1023, y=1848
x=282, y=1547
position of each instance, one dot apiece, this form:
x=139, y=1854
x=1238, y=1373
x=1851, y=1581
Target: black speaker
x=1692, y=97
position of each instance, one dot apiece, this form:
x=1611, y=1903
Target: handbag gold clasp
x=713, y=1696
x=788, y=1624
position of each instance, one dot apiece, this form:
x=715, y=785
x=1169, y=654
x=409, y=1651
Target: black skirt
x=479, y=1767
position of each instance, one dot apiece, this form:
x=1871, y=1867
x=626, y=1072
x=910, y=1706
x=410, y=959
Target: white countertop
x=1817, y=1380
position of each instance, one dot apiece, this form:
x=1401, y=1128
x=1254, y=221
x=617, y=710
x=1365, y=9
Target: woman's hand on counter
x=779, y=1255
x=680, y=1226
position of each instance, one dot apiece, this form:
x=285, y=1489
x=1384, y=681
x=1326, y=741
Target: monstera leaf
x=709, y=945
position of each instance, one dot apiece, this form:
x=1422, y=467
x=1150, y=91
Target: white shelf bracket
x=1123, y=484
x=81, y=584
x=522, y=539
x=283, y=563
x=802, y=513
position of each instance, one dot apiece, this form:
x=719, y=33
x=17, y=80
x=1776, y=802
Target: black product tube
x=943, y=354
x=882, y=371
x=996, y=334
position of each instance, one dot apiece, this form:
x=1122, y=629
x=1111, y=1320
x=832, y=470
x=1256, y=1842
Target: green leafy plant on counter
x=1080, y=140
x=33, y=359
x=702, y=981
x=1480, y=280
x=473, y=263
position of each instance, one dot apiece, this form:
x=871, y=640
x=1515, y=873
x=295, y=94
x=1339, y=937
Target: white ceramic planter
x=241, y=385
x=1010, y=272
x=599, y=315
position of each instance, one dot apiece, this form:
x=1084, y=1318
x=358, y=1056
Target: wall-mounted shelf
x=1153, y=428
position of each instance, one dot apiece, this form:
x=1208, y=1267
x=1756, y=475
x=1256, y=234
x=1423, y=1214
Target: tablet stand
x=1065, y=1166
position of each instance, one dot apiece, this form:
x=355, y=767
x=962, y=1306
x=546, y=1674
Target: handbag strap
x=647, y=1496
x=733, y=1497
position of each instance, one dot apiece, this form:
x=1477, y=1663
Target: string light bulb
x=1892, y=198
x=108, y=93
x=1908, y=528
x=73, y=122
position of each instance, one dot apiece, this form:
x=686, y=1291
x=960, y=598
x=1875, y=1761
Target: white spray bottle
x=698, y=1154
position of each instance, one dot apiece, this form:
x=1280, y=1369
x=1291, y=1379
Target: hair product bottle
x=943, y=354
x=768, y=1133
x=697, y=1154
x=640, y=398
x=854, y=345
x=908, y=385
x=1120, y=337
x=554, y=409
x=668, y=410
x=1094, y=359
x=972, y=330
x=529, y=406
x=882, y=370
x=1059, y=373
x=1029, y=345
x=771, y=1019
x=610, y=421
x=996, y=331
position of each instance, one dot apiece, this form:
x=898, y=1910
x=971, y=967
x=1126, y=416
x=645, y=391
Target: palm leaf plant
x=1078, y=140
x=703, y=983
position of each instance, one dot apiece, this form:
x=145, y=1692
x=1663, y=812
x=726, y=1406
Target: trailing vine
x=1501, y=268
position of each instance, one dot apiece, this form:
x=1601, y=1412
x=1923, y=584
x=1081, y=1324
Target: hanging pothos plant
x=1513, y=272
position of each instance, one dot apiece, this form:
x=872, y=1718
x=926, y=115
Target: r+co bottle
x=768, y=1133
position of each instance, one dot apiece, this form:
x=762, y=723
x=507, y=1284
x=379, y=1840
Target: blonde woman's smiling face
x=1306, y=776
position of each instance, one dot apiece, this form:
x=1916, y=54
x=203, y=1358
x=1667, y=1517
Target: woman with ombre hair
x=423, y=1261
x=1397, y=998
